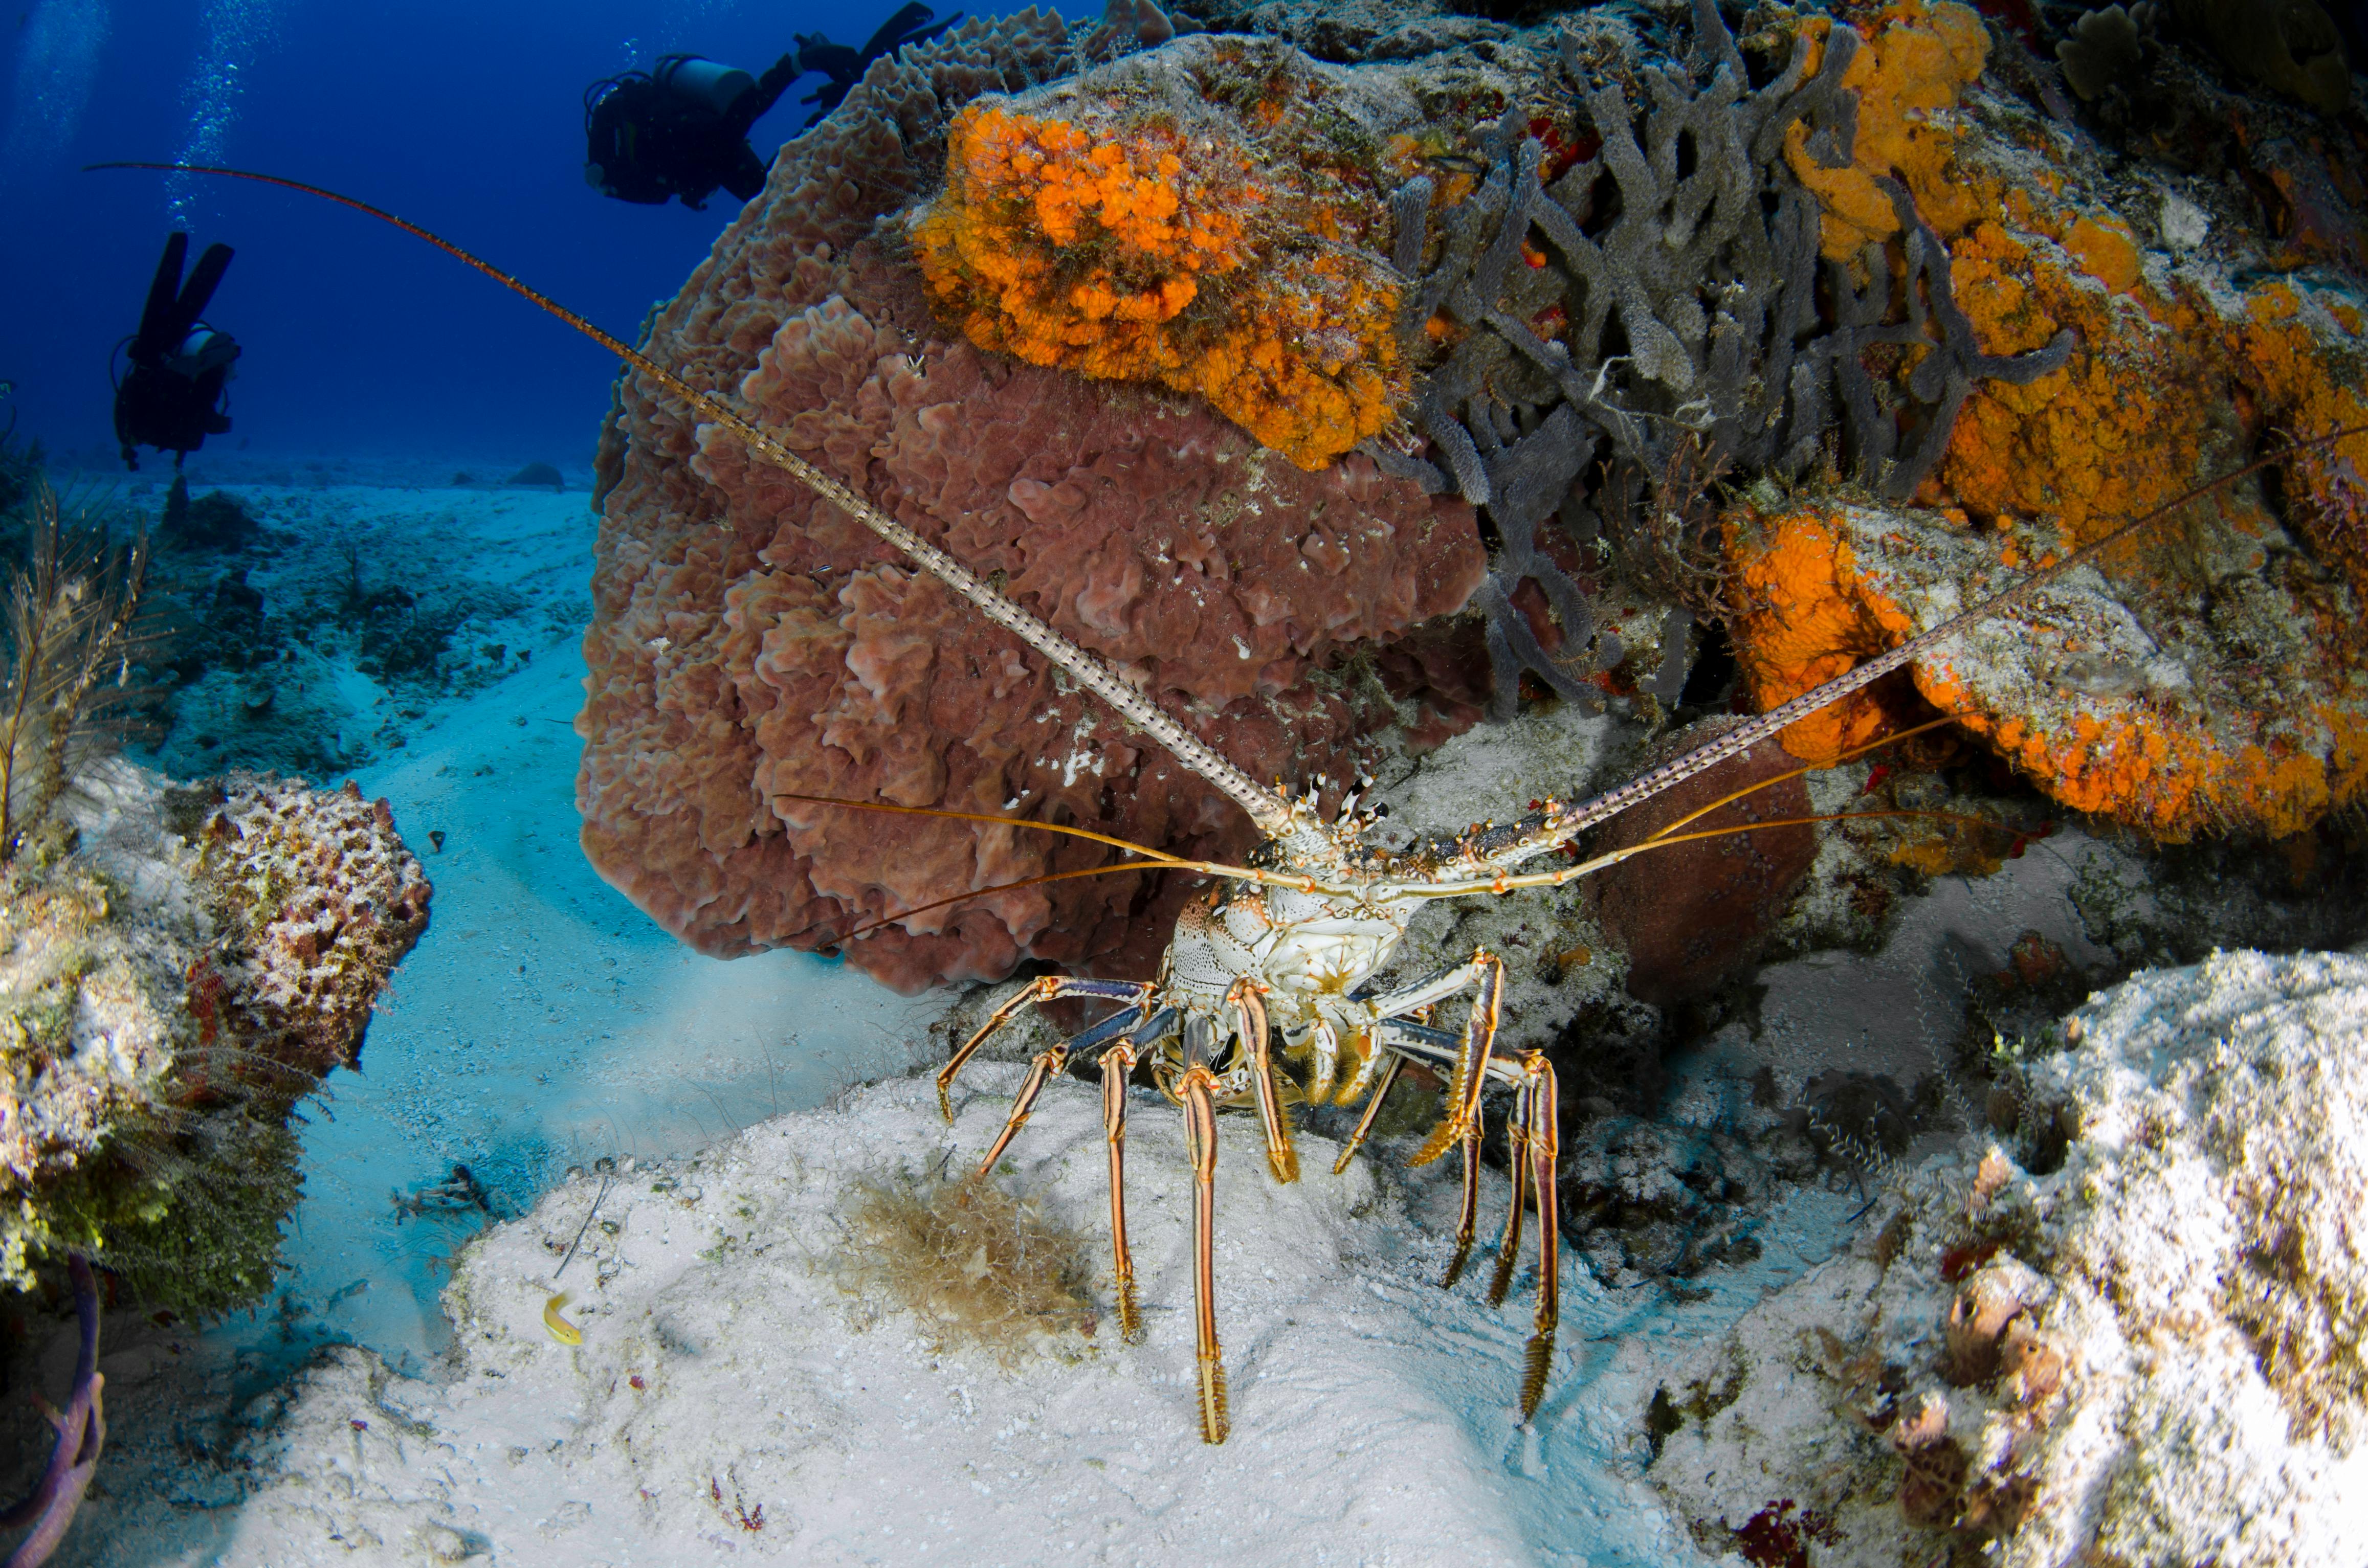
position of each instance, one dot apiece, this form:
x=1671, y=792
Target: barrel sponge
x=1206, y=217
x=750, y=642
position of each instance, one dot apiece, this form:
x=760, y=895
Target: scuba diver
x=174, y=395
x=682, y=130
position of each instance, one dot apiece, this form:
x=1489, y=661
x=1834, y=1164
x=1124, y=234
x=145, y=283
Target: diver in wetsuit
x=174, y=395
x=682, y=130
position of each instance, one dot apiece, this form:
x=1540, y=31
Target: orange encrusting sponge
x=1818, y=609
x=1123, y=256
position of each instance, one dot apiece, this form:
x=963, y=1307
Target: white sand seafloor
x=543, y=1022
x=731, y=1401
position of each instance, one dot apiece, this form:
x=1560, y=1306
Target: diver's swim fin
x=157, y=338
x=173, y=306
x=909, y=24
x=204, y=279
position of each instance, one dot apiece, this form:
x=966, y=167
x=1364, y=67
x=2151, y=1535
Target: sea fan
x=76, y=625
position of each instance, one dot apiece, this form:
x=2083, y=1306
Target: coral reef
x=2131, y=1333
x=1838, y=268
x=749, y=644
x=2212, y=680
x=169, y=987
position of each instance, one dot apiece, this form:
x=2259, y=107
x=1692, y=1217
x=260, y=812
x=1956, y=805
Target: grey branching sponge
x=1681, y=259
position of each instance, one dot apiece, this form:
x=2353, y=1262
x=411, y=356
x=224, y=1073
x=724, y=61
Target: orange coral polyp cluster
x=1086, y=252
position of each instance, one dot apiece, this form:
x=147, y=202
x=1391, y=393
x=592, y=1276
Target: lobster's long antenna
x=1268, y=810
x=1535, y=835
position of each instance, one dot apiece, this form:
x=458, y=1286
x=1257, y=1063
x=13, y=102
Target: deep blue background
x=463, y=117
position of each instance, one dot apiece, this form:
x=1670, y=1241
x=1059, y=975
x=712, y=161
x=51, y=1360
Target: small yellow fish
x=561, y=1329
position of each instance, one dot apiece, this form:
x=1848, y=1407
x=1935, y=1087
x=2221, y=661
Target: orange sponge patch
x=1812, y=617
x=2056, y=689
x=1122, y=247
x=1908, y=78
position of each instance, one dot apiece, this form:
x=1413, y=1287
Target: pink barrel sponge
x=749, y=641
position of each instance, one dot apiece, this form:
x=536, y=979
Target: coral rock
x=2218, y=678
x=2161, y=1358
x=2139, y=702
x=168, y=992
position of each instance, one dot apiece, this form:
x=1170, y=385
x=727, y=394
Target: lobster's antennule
x=1801, y=772
x=1271, y=814
x=1158, y=858
x=1669, y=840
x=871, y=925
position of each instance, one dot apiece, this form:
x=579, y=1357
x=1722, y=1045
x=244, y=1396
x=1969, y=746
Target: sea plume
x=76, y=624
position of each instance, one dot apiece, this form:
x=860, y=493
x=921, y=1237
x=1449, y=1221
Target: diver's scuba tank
x=204, y=349
x=707, y=82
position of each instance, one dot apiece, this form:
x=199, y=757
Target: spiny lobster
x=1266, y=990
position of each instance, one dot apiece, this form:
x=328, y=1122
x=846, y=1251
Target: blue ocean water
x=464, y=117
x=542, y=1020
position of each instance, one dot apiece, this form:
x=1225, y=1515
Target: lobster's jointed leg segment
x=1051, y=988
x=1117, y=1063
x=1467, y=1216
x=1485, y=977
x=1508, y=1247
x=1537, y=1141
x=1192, y=1090
x=1039, y=1072
x=1382, y=1087
x=1249, y=1013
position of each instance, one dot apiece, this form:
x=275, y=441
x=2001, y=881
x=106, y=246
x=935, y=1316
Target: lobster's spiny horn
x=1271, y=814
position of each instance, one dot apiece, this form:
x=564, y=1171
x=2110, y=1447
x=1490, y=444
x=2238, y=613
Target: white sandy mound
x=725, y=1378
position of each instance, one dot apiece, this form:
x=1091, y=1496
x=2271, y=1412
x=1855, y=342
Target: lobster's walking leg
x=1468, y=1219
x=1545, y=1145
x=1249, y=1013
x=1047, y=988
x=1460, y=1120
x=1117, y=1063
x=1039, y=1072
x=1382, y=1087
x=1200, y=1143
x=1508, y=1249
